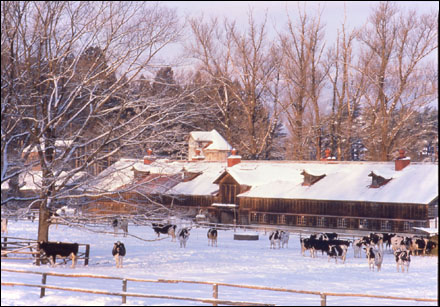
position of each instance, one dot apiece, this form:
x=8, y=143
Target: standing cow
x=120, y=224
x=169, y=229
x=284, y=239
x=118, y=252
x=375, y=257
x=212, y=236
x=54, y=249
x=403, y=259
x=274, y=238
x=183, y=237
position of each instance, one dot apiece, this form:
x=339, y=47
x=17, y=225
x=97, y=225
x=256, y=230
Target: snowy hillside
x=236, y=262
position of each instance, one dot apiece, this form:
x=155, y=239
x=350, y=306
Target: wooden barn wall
x=333, y=214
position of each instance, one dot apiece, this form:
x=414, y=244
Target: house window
x=301, y=220
x=342, y=223
x=262, y=218
x=385, y=225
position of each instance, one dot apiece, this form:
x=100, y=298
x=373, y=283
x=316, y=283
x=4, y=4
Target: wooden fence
x=215, y=290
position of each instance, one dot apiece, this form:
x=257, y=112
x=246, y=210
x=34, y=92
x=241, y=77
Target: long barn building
x=378, y=196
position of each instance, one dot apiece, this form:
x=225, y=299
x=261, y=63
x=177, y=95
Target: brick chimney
x=149, y=158
x=233, y=159
x=328, y=154
x=401, y=162
x=198, y=156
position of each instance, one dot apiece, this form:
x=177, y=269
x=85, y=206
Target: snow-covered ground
x=236, y=262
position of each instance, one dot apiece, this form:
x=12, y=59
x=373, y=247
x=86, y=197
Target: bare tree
x=244, y=67
x=348, y=89
x=66, y=70
x=304, y=76
x=395, y=52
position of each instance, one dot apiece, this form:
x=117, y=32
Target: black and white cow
x=120, y=224
x=118, y=253
x=212, y=236
x=54, y=249
x=183, y=236
x=284, y=239
x=374, y=257
x=387, y=239
x=168, y=229
x=357, y=247
x=335, y=251
x=403, y=259
x=275, y=238
x=377, y=239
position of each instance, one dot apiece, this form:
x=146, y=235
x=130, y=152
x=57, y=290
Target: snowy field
x=236, y=262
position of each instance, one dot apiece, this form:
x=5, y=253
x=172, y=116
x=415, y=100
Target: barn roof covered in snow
x=344, y=181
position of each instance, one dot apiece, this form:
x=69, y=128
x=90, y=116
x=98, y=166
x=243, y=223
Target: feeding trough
x=249, y=236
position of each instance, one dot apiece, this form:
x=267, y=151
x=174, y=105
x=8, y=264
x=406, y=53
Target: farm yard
x=233, y=261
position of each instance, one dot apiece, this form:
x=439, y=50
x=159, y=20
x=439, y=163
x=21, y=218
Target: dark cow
x=403, y=259
x=275, y=238
x=118, y=252
x=169, y=229
x=330, y=236
x=212, y=236
x=183, y=236
x=54, y=249
x=430, y=246
x=387, y=239
x=375, y=257
x=120, y=224
x=377, y=239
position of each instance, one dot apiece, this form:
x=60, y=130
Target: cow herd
x=329, y=243
x=373, y=245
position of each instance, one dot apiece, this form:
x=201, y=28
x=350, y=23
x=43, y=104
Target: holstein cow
x=54, y=249
x=212, y=236
x=377, y=239
x=375, y=257
x=274, y=238
x=284, y=239
x=357, y=248
x=165, y=229
x=403, y=259
x=120, y=224
x=387, y=239
x=183, y=236
x=118, y=252
x=335, y=251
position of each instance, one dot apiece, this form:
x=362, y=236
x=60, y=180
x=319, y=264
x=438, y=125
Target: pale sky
x=332, y=16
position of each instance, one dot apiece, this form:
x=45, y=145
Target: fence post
x=124, y=289
x=86, y=260
x=323, y=299
x=215, y=293
x=5, y=242
x=43, y=281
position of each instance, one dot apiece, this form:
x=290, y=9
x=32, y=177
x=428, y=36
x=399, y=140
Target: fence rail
x=215, y=289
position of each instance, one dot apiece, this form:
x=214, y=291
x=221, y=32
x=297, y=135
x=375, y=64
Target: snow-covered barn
x=379, y=196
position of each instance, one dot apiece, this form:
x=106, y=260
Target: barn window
x=301, y=220
x=385, y=225
x=320, y=221
x=407, y=226
x=342, y=223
